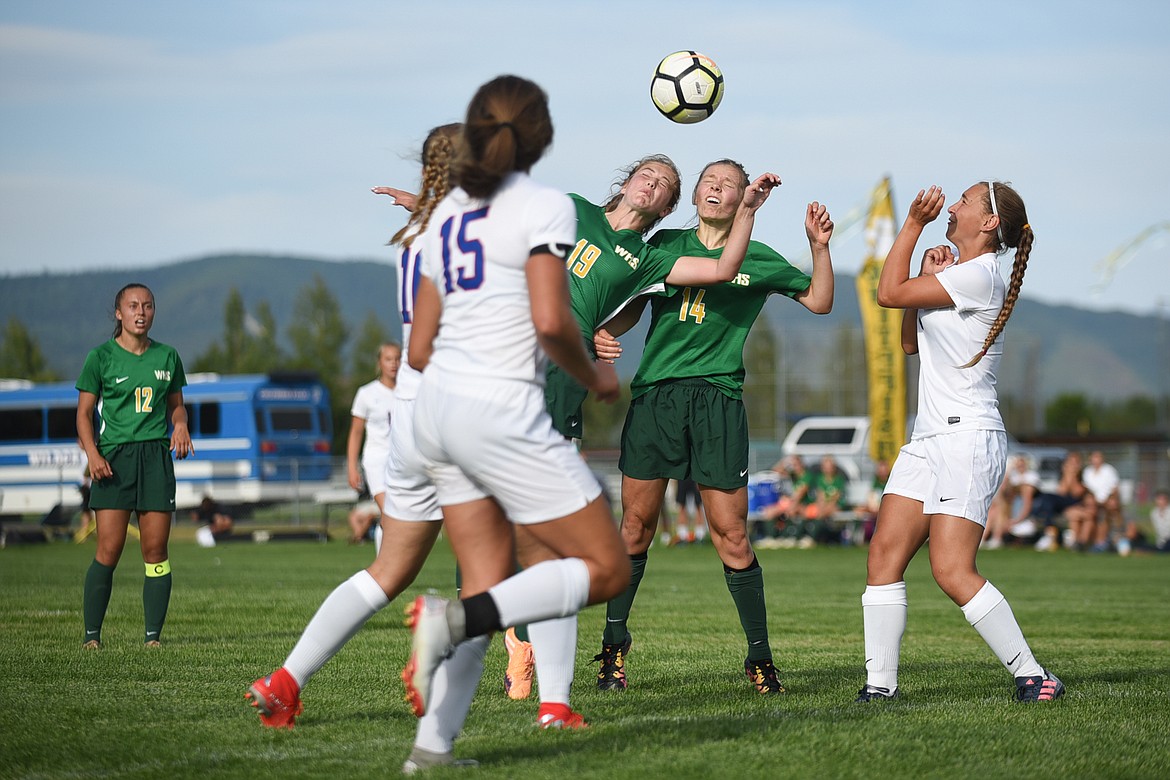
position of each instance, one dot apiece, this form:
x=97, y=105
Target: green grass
x=1101, y=622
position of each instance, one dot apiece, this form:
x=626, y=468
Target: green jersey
x=607, y=268
x=701, y=333
x=132, y=391
x=831, y=488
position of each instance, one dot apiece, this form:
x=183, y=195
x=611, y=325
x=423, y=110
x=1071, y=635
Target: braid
x=1019, y=265
x=437, y=154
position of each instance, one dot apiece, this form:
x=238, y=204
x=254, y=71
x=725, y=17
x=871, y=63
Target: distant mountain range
x=1050, y=349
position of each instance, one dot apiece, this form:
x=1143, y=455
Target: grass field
x=1100, y=622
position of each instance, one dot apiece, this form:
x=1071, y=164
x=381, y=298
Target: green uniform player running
x=687, y=419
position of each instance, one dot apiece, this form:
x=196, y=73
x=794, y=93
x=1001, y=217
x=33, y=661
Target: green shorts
x=564, y=397
x=143, y=480
x=686, y=429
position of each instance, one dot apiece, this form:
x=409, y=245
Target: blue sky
x=135, y=132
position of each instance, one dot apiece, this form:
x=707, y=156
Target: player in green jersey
x=611, y=262
x=687, y=419
x=136, y=386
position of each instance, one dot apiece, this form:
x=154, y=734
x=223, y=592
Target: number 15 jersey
x=475, y=252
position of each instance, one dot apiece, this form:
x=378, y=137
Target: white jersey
x=475, y=253
x=372, y=403
x=952, y=398
x=1101, y=482
x=408, y=272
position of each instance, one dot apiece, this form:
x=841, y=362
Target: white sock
x=550, y=589
x=339, y=617
x=989, y=613
x=554, y=646
x=883, y=609
x=451, y=693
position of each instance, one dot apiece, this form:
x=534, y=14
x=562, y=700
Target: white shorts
x=374, y=471
x=495, y=438
x=410, y=494
x=952, y=473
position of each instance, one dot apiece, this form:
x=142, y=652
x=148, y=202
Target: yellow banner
x=885, y=361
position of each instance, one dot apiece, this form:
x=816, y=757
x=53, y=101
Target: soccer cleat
x=277, y=698
x=559, y=716
x=518, y=675
x=763, y=675
x=420, y=759
x=152, y=643
x=1044, y=687
x=430, y=644
x=875, y=693
x=612, y=674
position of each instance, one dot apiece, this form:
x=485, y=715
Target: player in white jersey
x=943, y=481
x=492, y=303
x=370, y=418
x=411, y=518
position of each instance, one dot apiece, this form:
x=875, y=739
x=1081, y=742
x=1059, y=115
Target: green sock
x=747, y=591
x=156, y=597
x=99, y=581
x=617, y=612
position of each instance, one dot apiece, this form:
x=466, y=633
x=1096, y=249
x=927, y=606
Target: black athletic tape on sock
x=482, y=615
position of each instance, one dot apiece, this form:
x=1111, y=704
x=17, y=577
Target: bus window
x=21, y=424
x=209, y=424
x=291, y=418
x=63, y=423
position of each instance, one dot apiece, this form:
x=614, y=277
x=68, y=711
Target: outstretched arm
x=407, y=200
x=701, y=271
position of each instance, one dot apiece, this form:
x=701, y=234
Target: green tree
x=262, y=352
x=248, y=345
x=1069, y=413
x=21, y=356
x=761, y=360
x=370, y=338
x=318, y=335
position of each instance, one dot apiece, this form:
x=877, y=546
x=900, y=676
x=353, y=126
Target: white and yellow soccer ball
x=687, y=87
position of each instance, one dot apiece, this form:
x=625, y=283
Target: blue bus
x=258, y=438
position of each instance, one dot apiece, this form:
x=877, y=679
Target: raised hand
x=759, y=190
x=818, y=225
x=927, y=205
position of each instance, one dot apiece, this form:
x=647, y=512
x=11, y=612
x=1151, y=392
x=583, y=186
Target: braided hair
x=437, y=153
x=1013, y=232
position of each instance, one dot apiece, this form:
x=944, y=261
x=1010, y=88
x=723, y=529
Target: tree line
x=776, y=391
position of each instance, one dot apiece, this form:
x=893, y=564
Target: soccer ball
x=687, y=87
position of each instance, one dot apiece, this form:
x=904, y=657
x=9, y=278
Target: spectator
x=1160, y=518
x=211, y=515
x=790, y=511
x=1021, y=486
x=829, y=490
x=1104, y=502
x=688, y=501
x=873, y=501
x=1066, y=503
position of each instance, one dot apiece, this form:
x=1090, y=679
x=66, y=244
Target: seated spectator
x=1021, y=485
x=1160, y=519
x=211, y=514
x=829, y=491
x=790, y=511
x=1066, y=505
x=1103, y=484
x=873, y=500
